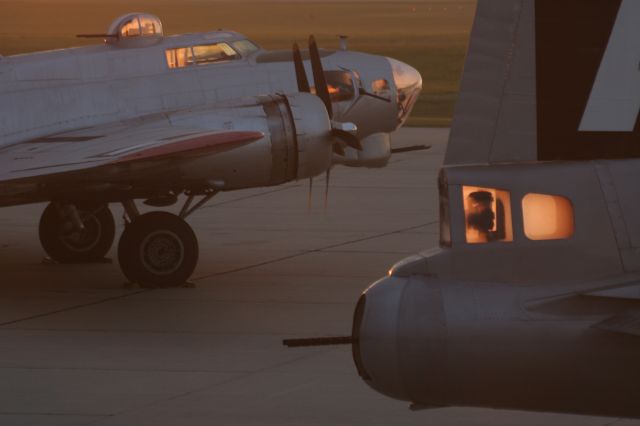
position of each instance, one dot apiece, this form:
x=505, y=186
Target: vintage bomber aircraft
x=148, y=117
x=532, y=300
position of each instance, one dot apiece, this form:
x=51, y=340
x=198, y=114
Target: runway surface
x=79, y=348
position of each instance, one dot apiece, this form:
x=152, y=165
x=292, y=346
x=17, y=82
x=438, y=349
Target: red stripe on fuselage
x=216, y=142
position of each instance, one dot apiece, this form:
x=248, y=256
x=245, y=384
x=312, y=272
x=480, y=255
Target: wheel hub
x=162, y=252
x=82, y=240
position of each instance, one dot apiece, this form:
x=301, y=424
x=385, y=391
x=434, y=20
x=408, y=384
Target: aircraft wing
x=615, y=301
x=103, y=150
x=624, y=323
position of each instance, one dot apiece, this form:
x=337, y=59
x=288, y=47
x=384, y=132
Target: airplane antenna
x=343, y=42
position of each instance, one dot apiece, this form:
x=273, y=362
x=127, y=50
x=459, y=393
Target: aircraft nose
x=408, y=82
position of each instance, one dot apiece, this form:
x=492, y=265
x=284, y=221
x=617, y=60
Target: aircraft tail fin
x=549, y=80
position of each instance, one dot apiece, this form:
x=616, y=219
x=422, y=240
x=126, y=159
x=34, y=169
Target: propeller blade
x=310, y=193
x=338, y=149
x=326, y=188
x=319, y=80
x=301, y=74
x=347, y=138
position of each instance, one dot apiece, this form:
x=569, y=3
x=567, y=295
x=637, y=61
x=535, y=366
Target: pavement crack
x=209, y=386
x=316, y=250
x=73, y=307
x=202, y=277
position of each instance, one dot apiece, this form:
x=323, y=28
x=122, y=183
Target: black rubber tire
x=64, y=245
x=158, y=249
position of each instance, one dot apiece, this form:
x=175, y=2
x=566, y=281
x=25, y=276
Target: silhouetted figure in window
x=482, y=218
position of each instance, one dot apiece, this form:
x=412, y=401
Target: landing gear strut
x=77, y=232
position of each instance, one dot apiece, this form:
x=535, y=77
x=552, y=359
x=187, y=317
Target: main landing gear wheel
x=65, y=241
x=158, y=249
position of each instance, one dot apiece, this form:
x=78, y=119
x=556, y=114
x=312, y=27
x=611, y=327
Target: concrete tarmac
x=78, y=347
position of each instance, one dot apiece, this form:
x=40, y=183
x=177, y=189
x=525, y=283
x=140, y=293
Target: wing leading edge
x=93, y=148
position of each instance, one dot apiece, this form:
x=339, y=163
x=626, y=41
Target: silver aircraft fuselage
x=76, y=91
x=144, y=116
x=56, y=91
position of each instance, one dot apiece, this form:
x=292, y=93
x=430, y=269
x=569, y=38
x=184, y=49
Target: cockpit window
x=245, y=47
x=487, y=215
x=340, y=85
x=547, y=217
x=199, y=55
x=381, y=88
x=209, y=53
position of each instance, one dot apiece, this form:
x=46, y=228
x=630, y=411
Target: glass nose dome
x=405, y=76
x=408, y=83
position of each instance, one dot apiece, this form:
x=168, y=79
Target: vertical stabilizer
x=495, y=117
x=549, y=80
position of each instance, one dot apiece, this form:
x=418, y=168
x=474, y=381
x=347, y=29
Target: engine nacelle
x=297, y=142
x=438, y=344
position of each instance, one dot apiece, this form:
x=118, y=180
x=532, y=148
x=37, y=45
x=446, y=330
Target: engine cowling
x=297, y=142
x=312, y=134
x=438, y=343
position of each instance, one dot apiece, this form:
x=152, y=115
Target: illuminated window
x=179, y=58
x=136, y=26
x=381, y=88
x=340, y=85
x=130, y=28
x=201, y=55
x=487, y=215
x=150, y=26
x=209, y=53
x=547, y=217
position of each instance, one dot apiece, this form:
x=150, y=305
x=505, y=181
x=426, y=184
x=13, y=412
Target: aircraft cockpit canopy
x=136, y=30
